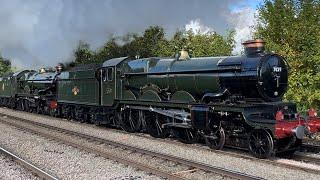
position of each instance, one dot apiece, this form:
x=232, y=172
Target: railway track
x=307, y=158
x=241, y=153
x=34, y=169
x=77, y=141
x=303, y=158
x=310, y=148
x=228, y=151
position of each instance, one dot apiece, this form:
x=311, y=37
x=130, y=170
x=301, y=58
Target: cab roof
x=114, y=61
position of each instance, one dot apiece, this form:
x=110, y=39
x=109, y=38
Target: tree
x=292, y=29
x=210, y=44
x=132, y=44
x=199, y=45
x=151, y=38
x=83, y=54
x=153, y=43
x=5, y=65
x=110, y=50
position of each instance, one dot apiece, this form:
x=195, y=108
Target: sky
x=37, y=33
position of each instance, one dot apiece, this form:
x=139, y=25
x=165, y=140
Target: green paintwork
x=128, y=95
x=182, y=96
x=195, y=77
x=108, y=90
x=174, y=75
x=169, y=75
x=150, y=95
x=79, y=87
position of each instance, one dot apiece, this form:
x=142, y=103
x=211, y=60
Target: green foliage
x=109, y=50
x=83, y=54
x=209, y=44
x=5, y=65
x=154, y=43
x=150, y=41
x=292, y=29
x=199, y=45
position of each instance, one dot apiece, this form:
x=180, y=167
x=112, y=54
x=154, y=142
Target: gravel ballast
x=10, y=170
x=247, y=166
x=64, y=161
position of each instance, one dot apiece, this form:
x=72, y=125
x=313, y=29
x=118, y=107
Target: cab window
x=104, y=75
x=107, y=74
x=110, y=74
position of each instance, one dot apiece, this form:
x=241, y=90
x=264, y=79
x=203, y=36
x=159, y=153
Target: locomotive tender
x=234, y=100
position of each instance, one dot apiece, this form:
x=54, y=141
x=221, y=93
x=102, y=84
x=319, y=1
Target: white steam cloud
x=197, y=27
x=244, y=21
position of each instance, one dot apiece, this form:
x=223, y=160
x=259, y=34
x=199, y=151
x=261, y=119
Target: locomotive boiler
x=254, y=77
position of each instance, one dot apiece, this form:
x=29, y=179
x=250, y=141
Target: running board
x=175, y=114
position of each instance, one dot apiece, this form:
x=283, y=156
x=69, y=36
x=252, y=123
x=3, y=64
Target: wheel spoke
x=158, y=127
x=190, y=135
x=186, y=135
x=215, y=143
x=215, y=139
x=253, y=138
x=154, y=124
x=131, y=123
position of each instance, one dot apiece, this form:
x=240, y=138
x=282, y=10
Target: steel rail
x=310, y=147
x=34, y=169
x=189, y=163
x=308, y=159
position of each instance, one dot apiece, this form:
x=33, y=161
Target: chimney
x=254, y=47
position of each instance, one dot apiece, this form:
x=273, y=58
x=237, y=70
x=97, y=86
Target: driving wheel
x=184, y=135
x=215, y=139
x=260, y=143
x=154, y=122
x=130, y=120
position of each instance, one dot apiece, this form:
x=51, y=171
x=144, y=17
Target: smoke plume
x=37, y=33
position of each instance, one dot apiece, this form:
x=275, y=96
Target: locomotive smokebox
x=254, y=47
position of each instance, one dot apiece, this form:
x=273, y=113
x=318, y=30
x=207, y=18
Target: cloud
x=243, y=20
x=37, y=33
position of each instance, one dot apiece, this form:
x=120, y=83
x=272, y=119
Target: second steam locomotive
x=234, y=100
